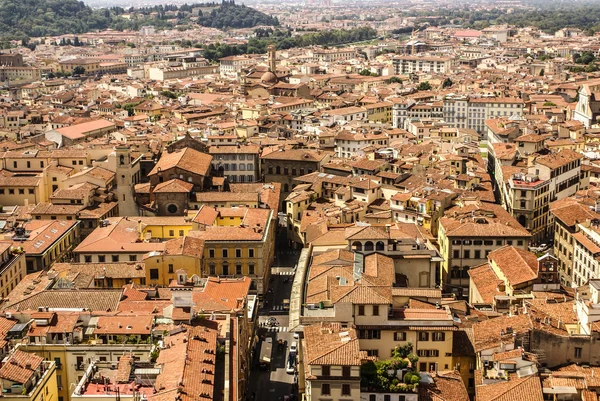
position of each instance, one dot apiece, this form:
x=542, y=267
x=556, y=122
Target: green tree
x=447, y=83
x=393, y=80
x=424, y=86
x=79, y=70
x=365, y=72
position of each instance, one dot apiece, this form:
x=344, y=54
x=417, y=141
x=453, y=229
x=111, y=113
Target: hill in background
x=230, y=15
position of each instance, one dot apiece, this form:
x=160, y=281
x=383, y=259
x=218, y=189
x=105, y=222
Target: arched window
x=380, y=246
x=122, y=159
x=368, y=246
x=357, y=246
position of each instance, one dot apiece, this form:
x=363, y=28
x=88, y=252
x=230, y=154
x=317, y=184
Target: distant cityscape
x=299, y=200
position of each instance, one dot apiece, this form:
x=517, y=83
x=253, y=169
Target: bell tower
x=272, y=52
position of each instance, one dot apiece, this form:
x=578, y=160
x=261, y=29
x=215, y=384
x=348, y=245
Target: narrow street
x=275, y=383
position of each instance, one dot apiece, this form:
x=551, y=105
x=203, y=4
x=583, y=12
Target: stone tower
x=272, y=52
x=127, y=173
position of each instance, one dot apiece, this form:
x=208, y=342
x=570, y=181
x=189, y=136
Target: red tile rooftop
x=111, y=389
x=520, y=183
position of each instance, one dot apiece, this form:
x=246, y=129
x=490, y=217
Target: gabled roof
x=173, y=186
x=186, y=159
x=20, y=367
x=329, y=344
x=222, y=295
x=519, y=266
x=521, y=389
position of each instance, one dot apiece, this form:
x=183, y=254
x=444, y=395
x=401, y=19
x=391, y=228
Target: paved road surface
x=274, y=384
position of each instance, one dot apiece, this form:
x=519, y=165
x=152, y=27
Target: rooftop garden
x=395, y=375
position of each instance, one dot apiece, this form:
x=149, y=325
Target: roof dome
x=268, y=78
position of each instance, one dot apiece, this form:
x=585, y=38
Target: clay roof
x=92, y=299
x=481, y=220
x=188, y=246
x=324, y=345
x=488, y=334
x=80, y=130
x=522, y=389
x=20, y=367
x=486, y=282
x=519, y=266
x=187, y=159
x=222, y=294
x=173, y=186
x=446, y=386
x=558, y=159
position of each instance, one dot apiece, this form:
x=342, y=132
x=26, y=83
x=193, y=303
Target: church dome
x=268, y=78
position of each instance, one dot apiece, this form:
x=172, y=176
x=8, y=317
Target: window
x=57, y=363
x=153, y=274
x=11, y=191
x=423, y=336
x=400, y=336
x=238, y=253
x=372, y=397
x=211, y=269
x=375, y=310
x=30, y=191
x=132, y=258
x=577, y=352
x=74, y=162
x=365, y=334
x=21, y=191
x=326, y=371
x=250, y=269
x=325, y=389
x=456, y=254
x=438, y=336
x=115, y=258
x=373, y=352
x=345, y=389
x=250, y=253
x=101, y=258
x=171, y=233
x=211, y=253
x=467, y=254
x=346, y=371
x=477, y=254
x=88, y=258
x=387, y=397
x=361, y=310
x=170, y=268
x=238, y=269
x=14, y=164
x=225, y=253
x=226, y=270
x=28, y=164
x=181, y=233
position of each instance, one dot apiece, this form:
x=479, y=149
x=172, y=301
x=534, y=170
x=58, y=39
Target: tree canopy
x=231, y=15
x=283, y=39
x=21, y=19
